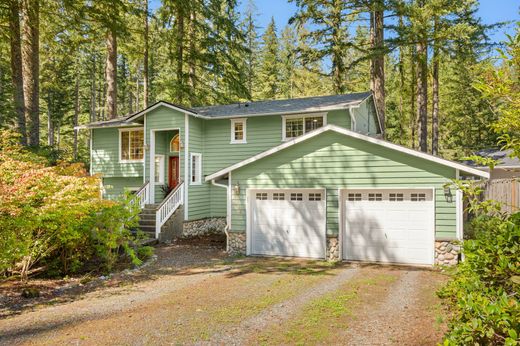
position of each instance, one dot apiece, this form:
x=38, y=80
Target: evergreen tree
x=268, y=77
x=327, y=35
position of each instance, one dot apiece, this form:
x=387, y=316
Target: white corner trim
x=157, y=105
x=244, y=130
x=91, y=150
x=186, y=163
x=356, y=135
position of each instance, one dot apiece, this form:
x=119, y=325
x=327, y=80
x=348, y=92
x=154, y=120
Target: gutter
x=228, y=221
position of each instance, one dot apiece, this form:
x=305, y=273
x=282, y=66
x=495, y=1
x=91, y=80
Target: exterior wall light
x=447, y=194
x=236, y=188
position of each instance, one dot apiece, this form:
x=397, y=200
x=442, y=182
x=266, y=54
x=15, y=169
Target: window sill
x=195, y=184
x=238, y=142
x=131, y=161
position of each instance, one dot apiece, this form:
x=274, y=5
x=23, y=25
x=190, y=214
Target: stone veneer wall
x=447, y=252
x=212, y=225
x=236, y=243
x=332, y=249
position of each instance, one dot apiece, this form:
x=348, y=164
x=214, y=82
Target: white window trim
x=120, y=139
x=198, y=180
x=161, y=169
x=303, y=116
x=244, y=129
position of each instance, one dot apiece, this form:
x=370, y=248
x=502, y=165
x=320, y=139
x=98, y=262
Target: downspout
x=228, y=221
x=353, y=125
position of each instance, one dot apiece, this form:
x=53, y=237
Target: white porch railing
x=142, y=195
x=174, y=199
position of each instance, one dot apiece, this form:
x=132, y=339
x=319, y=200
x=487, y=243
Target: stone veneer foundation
x=332, y=249
x=447, y=252
x=236, y=243
x=212, y=225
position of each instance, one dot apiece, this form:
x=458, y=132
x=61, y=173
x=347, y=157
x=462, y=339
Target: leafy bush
x=52, y=217
x=483, y=294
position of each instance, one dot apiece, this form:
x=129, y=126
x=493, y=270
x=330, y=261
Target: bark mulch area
x=170, y=258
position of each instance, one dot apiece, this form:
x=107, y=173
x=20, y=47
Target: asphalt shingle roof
x=297, y=105
x=306, y=104
x=502, y=156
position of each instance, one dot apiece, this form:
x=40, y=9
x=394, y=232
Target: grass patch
x=321, y=319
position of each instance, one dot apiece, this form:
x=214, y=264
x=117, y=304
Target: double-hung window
x=294, y=126
x=131, y=145
x=238, y=131
x=196, y=169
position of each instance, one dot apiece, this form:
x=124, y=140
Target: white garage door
x=389, y=226
x=287, y=223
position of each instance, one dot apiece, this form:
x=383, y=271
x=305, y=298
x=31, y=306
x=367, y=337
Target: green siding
x=366, y=118
x=198, y=195
x=334, y=161
x=116, y=187
x=211, y=138
x=105, y=155
x=163, y=120
x=339, y=118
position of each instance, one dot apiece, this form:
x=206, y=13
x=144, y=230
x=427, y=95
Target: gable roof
x=246, y=109
x=352, y=134
x=297, y=105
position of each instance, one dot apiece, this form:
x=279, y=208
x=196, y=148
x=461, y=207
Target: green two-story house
x=308, y=177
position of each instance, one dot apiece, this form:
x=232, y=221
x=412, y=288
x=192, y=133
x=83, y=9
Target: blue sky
x=491, y=11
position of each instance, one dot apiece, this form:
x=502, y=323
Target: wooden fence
x=505, y=191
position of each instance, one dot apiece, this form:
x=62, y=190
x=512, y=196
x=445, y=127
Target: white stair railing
x=142, y=195
x=172, y=201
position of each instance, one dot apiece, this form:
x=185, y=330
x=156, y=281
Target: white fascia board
x=356, y=135
x=81, y=127
x=159, y=104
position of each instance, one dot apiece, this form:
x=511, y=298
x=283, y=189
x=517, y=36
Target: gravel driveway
x=199, y=296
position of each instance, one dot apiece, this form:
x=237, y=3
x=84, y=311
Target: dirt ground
x=198, y=295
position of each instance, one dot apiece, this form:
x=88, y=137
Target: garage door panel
x=288, y=227
x=396, y=228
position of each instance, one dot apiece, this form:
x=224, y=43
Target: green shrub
x=483, y=294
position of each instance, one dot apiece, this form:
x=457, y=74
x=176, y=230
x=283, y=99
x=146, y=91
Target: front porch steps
x=147, y=219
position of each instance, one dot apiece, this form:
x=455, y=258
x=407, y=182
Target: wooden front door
x=173, y=172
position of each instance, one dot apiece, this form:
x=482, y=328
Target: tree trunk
x=180, y=54
x=93, y=91
x=422, y=93
x=16, y=68
x=413, y=115
x=191, y=62
x=76, y=117
x=338, y=64
x=401, y=77
x=50, y=123
x=111, y=74
x=145, y=56
x=378, y=61
x=31, y=68
x=435, y=95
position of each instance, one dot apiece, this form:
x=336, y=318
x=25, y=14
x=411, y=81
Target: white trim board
x=352, y=134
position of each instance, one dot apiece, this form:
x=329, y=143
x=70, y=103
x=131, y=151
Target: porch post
x=152, y=167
